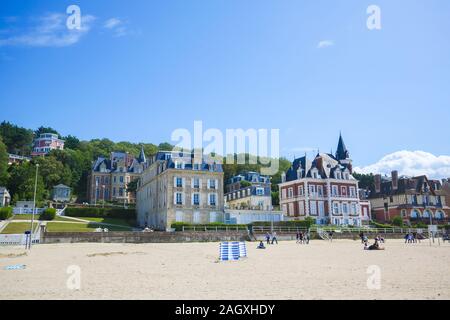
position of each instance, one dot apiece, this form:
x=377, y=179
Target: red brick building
x=412, y=198
x=324, y=189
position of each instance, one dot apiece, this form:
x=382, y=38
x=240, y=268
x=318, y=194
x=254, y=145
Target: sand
x=321, y=270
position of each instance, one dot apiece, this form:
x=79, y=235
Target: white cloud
x=411, y=163
x=112, y=23
x=49, y=31
x=117, y=26
x=325, y=43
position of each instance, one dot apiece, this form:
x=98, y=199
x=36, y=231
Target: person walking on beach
x=301, y=238
x=297, y=236
x=361, y=235
x=306, y=238
x=274, y=238
x=268, y=238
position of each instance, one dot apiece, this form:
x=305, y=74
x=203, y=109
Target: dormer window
x=338, y=175
x=179, y=165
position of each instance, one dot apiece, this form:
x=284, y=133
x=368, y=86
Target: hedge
x=178, y=226
x=307, y=223
x=48, y=214
x=6, y=213
x=90, y=212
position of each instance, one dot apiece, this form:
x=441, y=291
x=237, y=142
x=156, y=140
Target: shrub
x=5, y=213
x=397, y=221
x=307, y=223
x=380, y=225
x=48, y=214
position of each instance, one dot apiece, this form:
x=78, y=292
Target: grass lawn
x=80, y=227
x=17, y=227
x=118, y=221
x=36, y=217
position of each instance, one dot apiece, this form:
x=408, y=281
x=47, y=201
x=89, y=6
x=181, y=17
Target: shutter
x=192, y=182
x=208, y=185
x=183, y=182
x=200, y=183
x=209, y=199
x=182, y=198
x=174, y=181
x=174, y=198
x=217, y=184
x=192, y=199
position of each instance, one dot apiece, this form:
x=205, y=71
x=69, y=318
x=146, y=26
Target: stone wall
x=142, y=237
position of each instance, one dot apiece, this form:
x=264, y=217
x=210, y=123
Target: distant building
x=412, y=198
x=14, y=158
x=176, y=188
x=61, y=193
x=45, y=143
x=250, y=216
x=324, y=189
x=109, y=177
x=249, y=190
x=5, y=197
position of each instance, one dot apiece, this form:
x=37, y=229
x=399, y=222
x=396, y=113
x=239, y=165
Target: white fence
x=17, y=239
x=22, y=210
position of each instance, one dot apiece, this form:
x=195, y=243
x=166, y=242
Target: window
x=212, y=183
x=196, y=199
x=179, y=216
x=212, y=199
x=352, y=192
x=283, y=193
x=320, y=191
x=353, y=209
x=115, y=179
x=196, y=166
x=345, y=208
x=114, y=191
x=321, y=208
x=300, y=190
x=178, y=198
x=121, y=179
x=179, y=165
x=212, y=217
x=259, y=191
x=197, y=217
x=179, y=182
x=338, y=175
x=301, y=208
x=344, y=191
x=335, y=208
x=196, y=183
x=290, y=192
x=312, y=190
x=120, y=192
x=312, y=208
x=335, y=191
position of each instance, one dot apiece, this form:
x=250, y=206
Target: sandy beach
x=321, y=270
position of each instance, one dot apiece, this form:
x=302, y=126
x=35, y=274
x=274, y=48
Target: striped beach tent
x=232, y=251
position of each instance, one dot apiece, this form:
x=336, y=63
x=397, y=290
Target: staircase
x=323, y=234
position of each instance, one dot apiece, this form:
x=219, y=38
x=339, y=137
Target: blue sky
x=141, y=69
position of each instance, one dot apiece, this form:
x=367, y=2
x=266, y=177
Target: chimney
x=394, y=175
x=377, y=183
x=319, y=164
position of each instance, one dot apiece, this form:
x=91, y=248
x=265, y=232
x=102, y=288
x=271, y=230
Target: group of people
x=412, y=237
x=302, y=238
x=271, y=238
x=375, y=246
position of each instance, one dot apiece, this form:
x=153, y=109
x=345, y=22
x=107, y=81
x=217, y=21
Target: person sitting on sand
x=375, y=246
x=261, y=245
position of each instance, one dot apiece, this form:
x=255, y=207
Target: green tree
x=71, y=142
x=397, y=221
x=43, y=129
x=53, y=172
x=21, y=182
x=3, y=164
x=17, y=140
x=366, y=181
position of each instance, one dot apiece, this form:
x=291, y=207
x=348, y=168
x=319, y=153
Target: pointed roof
x=342, y=152
x=142, y=157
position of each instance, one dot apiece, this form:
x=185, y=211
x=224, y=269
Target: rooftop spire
x=142, y=157
x=342, y=152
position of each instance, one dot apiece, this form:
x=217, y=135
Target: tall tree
x=17, y=140
x=43, y=129
x=3, y=164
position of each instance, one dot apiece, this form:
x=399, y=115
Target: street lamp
x=103, y=204
x=34, y=206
